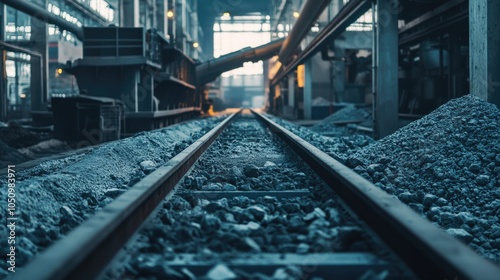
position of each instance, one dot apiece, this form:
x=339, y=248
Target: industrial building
x=393, y=104
x=417, y=58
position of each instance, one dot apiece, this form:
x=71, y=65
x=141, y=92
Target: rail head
x=427, y=249
x=87, y=250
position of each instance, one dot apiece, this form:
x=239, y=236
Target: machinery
x=156, y=82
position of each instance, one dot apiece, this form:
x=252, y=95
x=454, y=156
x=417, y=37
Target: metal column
x=386, y=94
x=308, y=86
x=3, y=78
x=130, y=13
x=171, y=21
x=291, y=90
x=162, y=16
x=39, y=67
x=484, y=39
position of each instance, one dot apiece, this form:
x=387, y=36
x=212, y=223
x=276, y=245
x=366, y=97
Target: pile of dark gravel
x=57, y=195
x=18, y=137
x=445, y=166
x=9, y=155
x=337, y=147
x=216, y=231
x=348, y=113
x=265, y=224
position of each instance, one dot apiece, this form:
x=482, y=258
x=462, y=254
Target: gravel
x=58, y=195
x=348, y=113
x=10, y=155
x=215, y=227
x=447, y=167
x=339, y=147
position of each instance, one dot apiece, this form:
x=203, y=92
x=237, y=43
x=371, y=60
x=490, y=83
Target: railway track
x=250, y=207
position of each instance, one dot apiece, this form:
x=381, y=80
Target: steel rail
x=88, y=249
x=426, y=249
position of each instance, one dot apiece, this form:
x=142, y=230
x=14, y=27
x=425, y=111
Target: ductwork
x=210, y=70
x=45, y=16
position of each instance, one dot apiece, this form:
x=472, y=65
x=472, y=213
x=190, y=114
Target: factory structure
x=157, y=61
x=206, y=131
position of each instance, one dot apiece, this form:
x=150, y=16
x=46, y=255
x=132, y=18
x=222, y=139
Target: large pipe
x=45, y=16
x=209, y=70
x=308, y=15
x=347, y=15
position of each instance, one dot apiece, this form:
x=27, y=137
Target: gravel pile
x=45, y=148
x=17, y=137
x=10, y=155
x=445, y=166
x=329, y=126
x=337, y=147
x=58, y=195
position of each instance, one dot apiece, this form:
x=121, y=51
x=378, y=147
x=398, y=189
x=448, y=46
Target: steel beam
x=484, y=39
x=39, y=68
x=308, y=88
x=386, y=93
x=129, y=13
x=41, y=14
x=3, y=76
x=435, y=21
x=308, y=15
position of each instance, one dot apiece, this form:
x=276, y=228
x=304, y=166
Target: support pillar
x=291, y=91
x=130, y=13
x=386, y=88
x=308, y=86
x=39, y=68
x=484, y=39
x=3, y=76
x=171, y=21
x=162, y=16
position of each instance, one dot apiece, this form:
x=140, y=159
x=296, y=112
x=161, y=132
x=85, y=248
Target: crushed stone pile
x=18, y=137
x=9, y=156
x=445, y=166
x=58, y=195
x=348, y=113
x=44, y=148
x=339, y=147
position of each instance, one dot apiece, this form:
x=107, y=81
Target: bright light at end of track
x=296, y=14
x=170, y=14
x=196, y=44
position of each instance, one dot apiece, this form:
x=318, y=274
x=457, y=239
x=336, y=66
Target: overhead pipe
x=310, y=12
x=346, y=16
x=45, y=16
x=210, y=70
